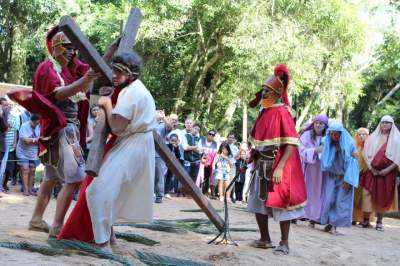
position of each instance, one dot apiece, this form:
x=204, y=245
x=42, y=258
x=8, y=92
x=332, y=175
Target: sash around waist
x=130, y=134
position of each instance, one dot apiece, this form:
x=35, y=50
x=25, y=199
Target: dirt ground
x=353, y=246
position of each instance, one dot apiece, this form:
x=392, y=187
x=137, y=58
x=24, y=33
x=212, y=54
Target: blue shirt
x=162, y=131
x=24, y=150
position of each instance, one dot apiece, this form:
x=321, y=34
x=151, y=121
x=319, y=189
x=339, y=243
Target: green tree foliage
x=21, y=23
x=207, y=58
x=380, y=79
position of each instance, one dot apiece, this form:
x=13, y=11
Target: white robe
x=124, y=189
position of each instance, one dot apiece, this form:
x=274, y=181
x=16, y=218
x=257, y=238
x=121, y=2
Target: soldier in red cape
x=277, y=187
x=59, y=98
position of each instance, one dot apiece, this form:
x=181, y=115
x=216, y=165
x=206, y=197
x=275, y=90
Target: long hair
x=91, y=108
x=314, y=134
x=226, y=145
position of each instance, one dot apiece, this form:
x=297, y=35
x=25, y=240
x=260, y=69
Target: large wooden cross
x=93, y=58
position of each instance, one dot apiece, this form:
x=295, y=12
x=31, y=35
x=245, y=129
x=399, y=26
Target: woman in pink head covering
x=310, y=148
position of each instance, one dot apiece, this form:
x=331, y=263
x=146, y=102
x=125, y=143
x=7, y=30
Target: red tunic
x=382, y=188
x=79, y=223
x=41, y=99
x=275, y=126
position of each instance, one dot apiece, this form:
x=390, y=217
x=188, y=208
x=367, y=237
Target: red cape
x=79, y=223
x=41, y=99
x=275, y=126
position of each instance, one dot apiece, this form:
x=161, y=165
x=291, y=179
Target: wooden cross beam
x=131, y=28
x=101, y=131
x=91, y=56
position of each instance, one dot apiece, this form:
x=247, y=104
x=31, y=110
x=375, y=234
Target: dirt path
x=354, y=246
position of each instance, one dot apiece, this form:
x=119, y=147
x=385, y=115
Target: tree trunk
x=314, y=96
x=200, y=55
x=339, y=110
x=224, y=123
x=305, y=111
x=199, y=87
x=207, y=98
x=382, y=101
x=197, y=58
x=244, y=123
x=6, y=55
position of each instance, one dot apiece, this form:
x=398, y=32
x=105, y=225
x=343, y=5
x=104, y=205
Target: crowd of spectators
x=19, y=140
x=212, y=161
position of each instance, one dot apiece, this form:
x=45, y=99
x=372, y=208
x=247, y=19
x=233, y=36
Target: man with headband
x=59, y=84
x=277, y=187
x=125, y=185
x=382, y=155
x=123, y=190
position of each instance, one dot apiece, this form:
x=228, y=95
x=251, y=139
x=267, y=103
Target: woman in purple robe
x=310, y=148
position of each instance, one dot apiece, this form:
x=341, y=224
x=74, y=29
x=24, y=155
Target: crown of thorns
x=124, y=68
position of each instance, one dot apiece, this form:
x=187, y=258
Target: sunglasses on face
x=211, y=134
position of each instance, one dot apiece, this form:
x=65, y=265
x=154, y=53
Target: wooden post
x=175, y=166
x=95, y=156
x=93, y=58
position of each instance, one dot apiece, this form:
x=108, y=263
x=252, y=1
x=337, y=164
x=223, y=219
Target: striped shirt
x=14, y=124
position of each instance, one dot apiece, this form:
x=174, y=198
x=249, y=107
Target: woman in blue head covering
x=340, y=177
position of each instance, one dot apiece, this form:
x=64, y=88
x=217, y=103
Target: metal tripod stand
x=225, y=233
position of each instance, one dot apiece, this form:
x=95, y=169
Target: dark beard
x=124, y=84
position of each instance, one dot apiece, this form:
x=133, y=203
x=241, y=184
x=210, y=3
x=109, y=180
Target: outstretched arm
x=62, y=93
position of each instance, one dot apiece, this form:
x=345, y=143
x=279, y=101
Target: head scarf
x=360, y=147
x=347, y=147
x=318, y=118
x=374, y=142
x=357, y=139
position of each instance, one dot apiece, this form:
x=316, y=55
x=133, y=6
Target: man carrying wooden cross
x=79, y=224
x=58, y=86
x=121, y=191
